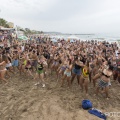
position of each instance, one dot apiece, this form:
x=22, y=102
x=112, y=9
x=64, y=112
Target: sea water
x=99, y=37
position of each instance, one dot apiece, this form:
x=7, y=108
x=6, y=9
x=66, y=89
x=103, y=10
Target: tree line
x=26, y=31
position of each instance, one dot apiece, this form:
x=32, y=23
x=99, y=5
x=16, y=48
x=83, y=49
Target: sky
x=66, y=16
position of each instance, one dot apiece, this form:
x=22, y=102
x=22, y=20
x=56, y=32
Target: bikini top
x=40, y=66
x=85, y=72
x=77, y=66
x=105, y=75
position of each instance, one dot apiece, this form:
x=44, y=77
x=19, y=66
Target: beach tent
x=73, y=37
x=23, y=38
x=7, y=29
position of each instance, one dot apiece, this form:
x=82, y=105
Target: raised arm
x=2, y=63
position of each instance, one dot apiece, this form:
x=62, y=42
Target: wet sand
x=21, y=100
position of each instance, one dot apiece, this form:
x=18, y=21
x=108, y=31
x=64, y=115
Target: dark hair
x=33, y=51
x=75, y=57
x=110, y=67
x=5, y=58
x=87, y=63
x=69, y=61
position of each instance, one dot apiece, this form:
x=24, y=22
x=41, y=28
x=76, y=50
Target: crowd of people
x=91, y=62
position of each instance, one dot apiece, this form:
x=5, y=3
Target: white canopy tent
x=73, y=37
x=7, y=29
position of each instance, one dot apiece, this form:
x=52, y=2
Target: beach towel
x=97, y=113
x=86, y=104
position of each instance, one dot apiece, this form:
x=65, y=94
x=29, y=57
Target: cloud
x=64, y=15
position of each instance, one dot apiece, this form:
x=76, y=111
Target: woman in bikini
x=28, y=66
x=55, y=63
x=77, y=69
x=44, y=60
x=104, y=79
x=67, y=73
x=3, y=68
x=84, y=80
x=23, y=62
x=97, y=65
x=9, y=64
x=15, y=62
x=40, y=72
x=62, y=67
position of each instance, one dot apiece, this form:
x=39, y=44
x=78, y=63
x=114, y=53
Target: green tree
x=3, y=23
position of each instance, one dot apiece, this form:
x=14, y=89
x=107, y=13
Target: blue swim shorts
x=76, y=71
x=15, y=63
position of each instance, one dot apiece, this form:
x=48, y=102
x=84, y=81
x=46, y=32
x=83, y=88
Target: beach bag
x=97, y=113
x=86, y=104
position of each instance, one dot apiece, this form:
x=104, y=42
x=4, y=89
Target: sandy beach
x=62, y=39
x=20, y=100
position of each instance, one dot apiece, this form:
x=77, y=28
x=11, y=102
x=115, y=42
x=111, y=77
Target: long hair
x=5, y=58
x=87, y=63
x=70, y=62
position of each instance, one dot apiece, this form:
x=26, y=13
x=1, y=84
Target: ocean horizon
x=92, y=36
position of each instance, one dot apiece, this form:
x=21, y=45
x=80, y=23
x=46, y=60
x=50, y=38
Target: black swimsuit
x=40, y=67
x=77, y=66
x=105, y=75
